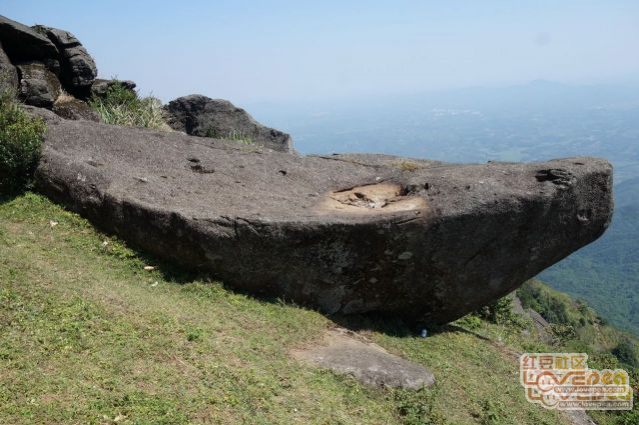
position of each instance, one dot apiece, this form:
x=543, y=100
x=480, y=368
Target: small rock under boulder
x=345, y=234
x=201, y=116
x=346, y=353
x=70, y=108
x=78, y=67
x=38, y=85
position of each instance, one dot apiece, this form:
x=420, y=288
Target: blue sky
x=252, y=51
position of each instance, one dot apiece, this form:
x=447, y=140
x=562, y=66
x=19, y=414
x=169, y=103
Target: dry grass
x=405, y=165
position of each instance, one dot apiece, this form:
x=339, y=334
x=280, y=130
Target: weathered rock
x=432, y=243
x=78, y=67
x=23, y=44
x=38, y=86
x=8, y=73
x=204, y=117
x=347, y=354
x=100, y=87
x=71, y=108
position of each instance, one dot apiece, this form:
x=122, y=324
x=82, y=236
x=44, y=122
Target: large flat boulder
x=347, y=234
x=201, y=116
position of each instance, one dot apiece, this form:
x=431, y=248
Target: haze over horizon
x=286, y=51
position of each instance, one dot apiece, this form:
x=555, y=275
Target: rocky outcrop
x=38, y=85
x=100, y=87
x=78, y=67
x=346, y=234
x=39, y=63
x=24, y=44
x=204, y=117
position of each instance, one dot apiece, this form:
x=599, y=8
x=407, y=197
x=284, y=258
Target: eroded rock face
x=78, y=67
x=38, y=85
x=38, y=62
x=204, y=117
x=24, y=44
x=8, y=72
x=347, y=234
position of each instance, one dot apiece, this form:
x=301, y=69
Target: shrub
x=501, y=312
x=625, y=351
x=498, y=312
x=470, y=321
x=122, y=106
x=603, y=361
x=417, y=407
x=552, y=307
x=562, y=333
x=21, y=138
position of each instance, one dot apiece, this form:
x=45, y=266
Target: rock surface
x=24, y=44
x=204, y=117
x=78, y=67
x=71, y=108
x=345, y=354
x=346, y=234
x=39, y=62
x=38, y=85
x=8, y=72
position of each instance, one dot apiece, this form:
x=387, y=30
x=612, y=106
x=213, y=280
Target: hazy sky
x=268, y=50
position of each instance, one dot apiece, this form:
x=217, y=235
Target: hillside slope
x=606, y=273
x=89, y=336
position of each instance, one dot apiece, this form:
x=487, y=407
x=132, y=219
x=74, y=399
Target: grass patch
x=87, y=335
x=122, y=106
x=233, y=135
x=21, y=138
x=405, y=165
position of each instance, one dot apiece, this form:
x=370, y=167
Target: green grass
x=87, y=335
